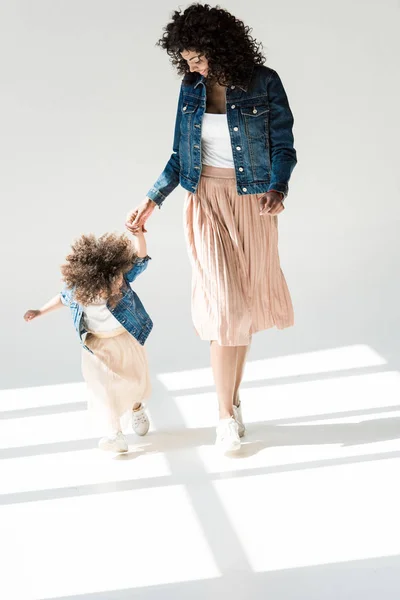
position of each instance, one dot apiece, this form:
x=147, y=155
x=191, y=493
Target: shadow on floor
x=260, y=437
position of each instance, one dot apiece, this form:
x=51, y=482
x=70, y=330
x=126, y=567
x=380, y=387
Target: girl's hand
x=271, y=204
x=137, y=218
x=139, y=232
x=31, y=314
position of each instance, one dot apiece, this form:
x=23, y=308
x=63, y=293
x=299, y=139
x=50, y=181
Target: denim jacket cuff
x=156, y=196
x=279, y=187
x=142, y=259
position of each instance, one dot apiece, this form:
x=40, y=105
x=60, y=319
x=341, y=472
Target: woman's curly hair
x=95, y=265
x=223, y=39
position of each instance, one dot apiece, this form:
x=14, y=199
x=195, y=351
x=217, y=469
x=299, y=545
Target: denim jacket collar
x=201, y=79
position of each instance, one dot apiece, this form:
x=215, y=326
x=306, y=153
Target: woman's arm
x=283, y=154
x=169, y=178
x=53, y=304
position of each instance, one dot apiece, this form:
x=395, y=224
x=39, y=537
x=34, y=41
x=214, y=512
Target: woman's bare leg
x=242, y=353
x=224, y=366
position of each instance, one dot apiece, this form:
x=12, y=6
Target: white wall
x=87, y=104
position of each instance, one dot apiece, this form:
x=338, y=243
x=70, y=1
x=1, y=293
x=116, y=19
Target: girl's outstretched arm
x=53, y=304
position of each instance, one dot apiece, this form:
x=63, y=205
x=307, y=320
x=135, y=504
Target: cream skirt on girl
x=116, y=374
x=238, y=287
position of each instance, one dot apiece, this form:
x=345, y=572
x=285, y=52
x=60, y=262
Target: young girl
x=112, y=326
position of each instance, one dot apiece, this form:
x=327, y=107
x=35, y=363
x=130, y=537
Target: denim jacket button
x=241, y=169
x=244, y=189
x=236, y=129
x=233, y=106
x=238, y=148
x=185, y=108
x=255, y=111
x=233, y=87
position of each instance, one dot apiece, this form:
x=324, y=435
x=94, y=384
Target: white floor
x=309, y=510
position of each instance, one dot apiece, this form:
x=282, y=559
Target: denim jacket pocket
x=255, y=119
x=189, y=106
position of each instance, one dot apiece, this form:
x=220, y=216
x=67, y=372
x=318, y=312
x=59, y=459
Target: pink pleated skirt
x=238, y=287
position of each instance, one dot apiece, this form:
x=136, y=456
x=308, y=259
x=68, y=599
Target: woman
x=233, y=154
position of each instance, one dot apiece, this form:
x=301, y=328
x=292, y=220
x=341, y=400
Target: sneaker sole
x=140, y=433
x=116, y=450
x=231, y=449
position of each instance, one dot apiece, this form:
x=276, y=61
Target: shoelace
x=140, y=418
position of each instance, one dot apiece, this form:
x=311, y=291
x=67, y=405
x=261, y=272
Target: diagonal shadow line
x=367, y=578
x=291, y=379
x=60, y=447
x=335, y=415
x=40, y=411
x=177, y=479
x=51, y=448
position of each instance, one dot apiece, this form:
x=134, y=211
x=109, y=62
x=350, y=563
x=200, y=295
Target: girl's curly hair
x=95, y=265
x=223, y=39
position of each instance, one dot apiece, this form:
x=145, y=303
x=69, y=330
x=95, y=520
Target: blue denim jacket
x=129, y=310
x=260, y=125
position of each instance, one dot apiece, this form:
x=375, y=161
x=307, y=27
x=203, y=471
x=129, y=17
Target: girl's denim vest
x=129, y=311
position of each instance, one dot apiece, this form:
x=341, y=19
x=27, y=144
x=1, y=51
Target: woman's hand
x=31, y=314
x=137, y=218
x=271, y=204
x=139, y=232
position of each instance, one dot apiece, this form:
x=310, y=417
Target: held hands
x=31, y=314
x=136, y=219
x=139, y=232
x=271, y=204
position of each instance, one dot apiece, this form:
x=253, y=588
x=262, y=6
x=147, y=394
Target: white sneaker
x=237, y=413
x=114, y=444
x=140, y=421
x=228, y=435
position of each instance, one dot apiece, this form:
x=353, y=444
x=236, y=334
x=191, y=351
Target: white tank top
x=97, y=317
x=216, y=149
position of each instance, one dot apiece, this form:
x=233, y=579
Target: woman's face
x=197, y=62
